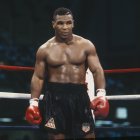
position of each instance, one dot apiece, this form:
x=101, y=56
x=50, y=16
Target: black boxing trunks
x=67, y=110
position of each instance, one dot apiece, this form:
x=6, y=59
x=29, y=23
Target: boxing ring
x=26, y=97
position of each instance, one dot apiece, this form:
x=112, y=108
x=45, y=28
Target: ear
x=73, y=24
x=53, y=24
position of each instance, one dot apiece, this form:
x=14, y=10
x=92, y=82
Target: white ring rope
x=10, y=95
x=124, y=97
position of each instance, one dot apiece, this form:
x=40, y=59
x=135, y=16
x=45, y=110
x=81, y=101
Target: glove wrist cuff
x=101, y=92
x=34, y=102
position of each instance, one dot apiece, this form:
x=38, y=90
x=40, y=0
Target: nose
x=65, y=26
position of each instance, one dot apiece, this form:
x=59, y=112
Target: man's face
x=63, y=25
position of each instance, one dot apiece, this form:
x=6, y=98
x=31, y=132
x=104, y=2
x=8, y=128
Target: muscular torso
x=66, y=63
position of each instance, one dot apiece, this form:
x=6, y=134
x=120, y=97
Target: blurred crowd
x=15, y=55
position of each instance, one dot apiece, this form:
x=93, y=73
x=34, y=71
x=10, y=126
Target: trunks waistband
x=54, y=86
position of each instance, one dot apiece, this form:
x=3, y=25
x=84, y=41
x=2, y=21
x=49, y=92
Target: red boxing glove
x=100, y=105
x=33, y=115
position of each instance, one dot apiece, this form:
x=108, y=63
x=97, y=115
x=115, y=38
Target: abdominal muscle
x=67, y=74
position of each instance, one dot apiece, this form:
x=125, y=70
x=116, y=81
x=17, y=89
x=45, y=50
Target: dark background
x=112, y=25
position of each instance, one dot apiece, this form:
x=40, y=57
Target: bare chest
x=61, y=55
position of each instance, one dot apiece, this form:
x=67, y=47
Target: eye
x=69, y=22
x=59, y=23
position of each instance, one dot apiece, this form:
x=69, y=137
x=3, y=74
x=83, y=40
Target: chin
x=65, y=37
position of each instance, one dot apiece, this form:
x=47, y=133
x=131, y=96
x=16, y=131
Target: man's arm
x=96, y=68
x=33, y=114
x=38, y=75
x=100, y=104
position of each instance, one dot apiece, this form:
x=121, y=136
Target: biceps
x=93, y=63
x=40, y=69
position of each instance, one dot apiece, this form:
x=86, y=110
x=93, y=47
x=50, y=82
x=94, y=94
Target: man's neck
x=68, y=40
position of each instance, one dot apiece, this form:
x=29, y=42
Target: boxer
x=65, y=59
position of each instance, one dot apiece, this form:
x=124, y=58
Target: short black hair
x=62, y=11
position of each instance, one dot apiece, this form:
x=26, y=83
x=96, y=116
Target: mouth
x=65, y=33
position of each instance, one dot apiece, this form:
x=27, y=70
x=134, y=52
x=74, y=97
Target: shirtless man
x=65, y=59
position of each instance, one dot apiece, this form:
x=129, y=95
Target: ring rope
x=10, y=95
x=20, y=68
x=22, y=127
x=15, y=68
x=36, y=127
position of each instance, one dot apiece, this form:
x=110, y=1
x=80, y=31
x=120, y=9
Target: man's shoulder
x=47, y=43
x=82, y=39
x=86, y=43
x=78, y=37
